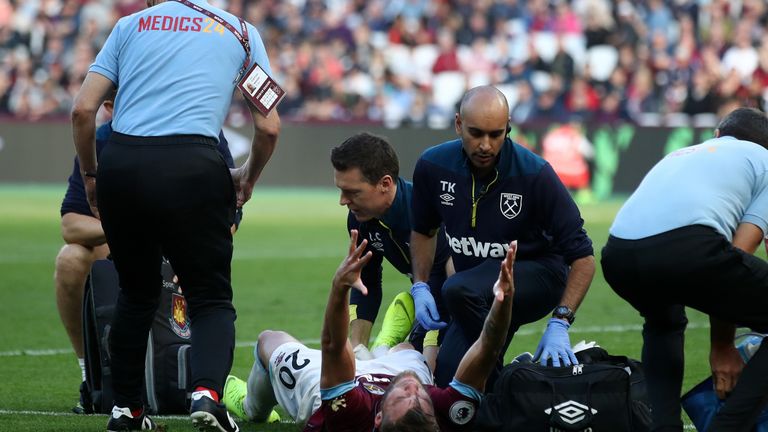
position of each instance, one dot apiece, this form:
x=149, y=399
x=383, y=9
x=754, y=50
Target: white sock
x=380, y=351
x=260, y=399
x=81, y=362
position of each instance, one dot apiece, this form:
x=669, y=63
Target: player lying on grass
x=329, y=389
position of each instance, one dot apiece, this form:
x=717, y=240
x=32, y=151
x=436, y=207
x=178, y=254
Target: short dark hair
x=414, y=420
x=746, y=124
x=372, y=154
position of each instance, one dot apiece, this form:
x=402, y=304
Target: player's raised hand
x=348, y=273
x=505, y=285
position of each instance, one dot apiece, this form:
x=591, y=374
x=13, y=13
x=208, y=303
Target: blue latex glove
x=556, y=344
x=426, y=309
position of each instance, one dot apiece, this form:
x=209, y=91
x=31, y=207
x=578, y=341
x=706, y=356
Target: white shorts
x=294, y=371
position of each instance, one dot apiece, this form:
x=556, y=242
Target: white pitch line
x=35, y=352
x=522, y=332
x=71, y=414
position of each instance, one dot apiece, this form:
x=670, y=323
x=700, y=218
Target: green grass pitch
x=287, y=249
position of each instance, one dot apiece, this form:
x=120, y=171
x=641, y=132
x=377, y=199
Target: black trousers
x=468, y=296
x=173, y=197
x=697, y=267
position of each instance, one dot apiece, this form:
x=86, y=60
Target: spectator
x=5, y=95
x=759, y=82
x=566, y=21
x=582, y=100
x=549, y=109
x=658, y=18
x=641, y=96
x=525, y=107
x=742, y=56
x=475, y=27
x=700, y=97
x=46, y=48
x=517, y=70
x=562, y=64
x=599, y=23
x=611, y=109
x=628, y=28
x=447, y=60
x=479, y=61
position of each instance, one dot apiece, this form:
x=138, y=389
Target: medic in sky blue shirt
x=522, y=200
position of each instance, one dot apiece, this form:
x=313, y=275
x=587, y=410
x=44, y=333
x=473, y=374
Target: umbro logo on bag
x=571, y=411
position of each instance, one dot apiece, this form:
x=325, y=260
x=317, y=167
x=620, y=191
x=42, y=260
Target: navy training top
x=523, y=200
x=389, y=237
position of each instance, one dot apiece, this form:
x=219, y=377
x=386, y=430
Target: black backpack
x=603, y=393
x=167, y=371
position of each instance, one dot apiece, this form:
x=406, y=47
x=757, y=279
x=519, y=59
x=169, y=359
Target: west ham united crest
x=510, y=204
x=178, y=319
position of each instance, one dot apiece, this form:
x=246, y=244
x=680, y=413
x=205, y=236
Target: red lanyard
x=242, y=37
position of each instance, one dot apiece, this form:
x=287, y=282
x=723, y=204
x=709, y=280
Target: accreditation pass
x=258, y=87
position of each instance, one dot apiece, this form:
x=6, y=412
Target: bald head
x=486, y=98
x=482, y=125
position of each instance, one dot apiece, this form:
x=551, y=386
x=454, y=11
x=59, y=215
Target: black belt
x=120, y=138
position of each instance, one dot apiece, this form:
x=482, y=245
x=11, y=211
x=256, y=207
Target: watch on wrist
x=564, y=312
x=91, y=174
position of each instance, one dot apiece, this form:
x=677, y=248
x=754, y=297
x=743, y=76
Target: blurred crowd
x=407, y=62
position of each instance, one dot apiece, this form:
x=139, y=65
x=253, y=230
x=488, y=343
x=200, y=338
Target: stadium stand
x=654, y=61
